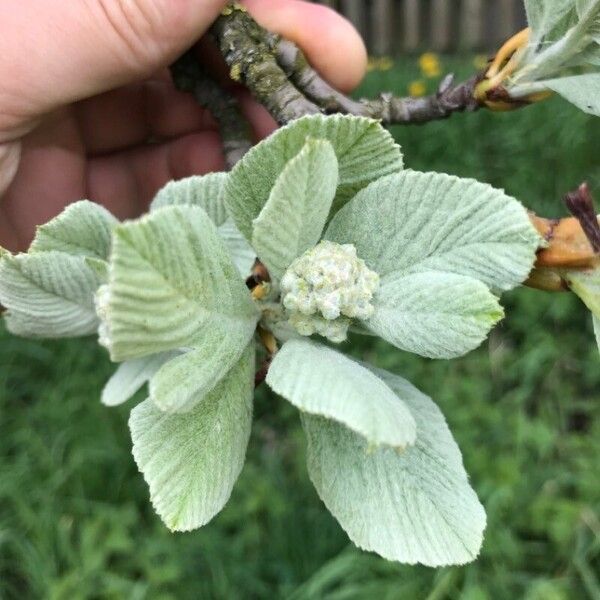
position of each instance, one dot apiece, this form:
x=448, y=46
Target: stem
x=244, y=47
x=189, y=76
x=281, y=79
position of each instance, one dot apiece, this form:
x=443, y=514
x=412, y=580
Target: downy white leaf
x=241, y=252
x=82, y=229
x=437, y=241
x=438, y=315
x=172, y=284
x=295, y=214
x=412, y=222
x=414, y=506
x=205, y=191
x=321, y=381
x=192, y=461
x=544, y=15
x=596, y=323
x=182, y=382
x=131, y=375
x=364, y=149
x=48, y=294
x=581, y=90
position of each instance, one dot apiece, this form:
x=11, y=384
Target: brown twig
x=280, y=77
x=244, y=46
x=235, y=131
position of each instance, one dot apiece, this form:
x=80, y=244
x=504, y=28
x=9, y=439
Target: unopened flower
x=325, y=288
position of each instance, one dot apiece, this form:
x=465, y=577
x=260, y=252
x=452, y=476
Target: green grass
x=75, y=521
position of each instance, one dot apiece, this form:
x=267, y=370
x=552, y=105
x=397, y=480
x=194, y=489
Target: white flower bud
x=325, y=288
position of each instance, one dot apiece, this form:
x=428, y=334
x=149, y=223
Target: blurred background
x=395, y=26
x=75, y=520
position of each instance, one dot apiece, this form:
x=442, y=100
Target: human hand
x=84, y=87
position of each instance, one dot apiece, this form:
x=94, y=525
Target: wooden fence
x=399, y=26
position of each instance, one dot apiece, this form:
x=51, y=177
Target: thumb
x=53, y=53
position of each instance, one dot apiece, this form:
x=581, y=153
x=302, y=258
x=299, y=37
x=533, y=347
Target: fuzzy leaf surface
x=172, y=285
x=364, y=149
x=412, y=222
x=131, y=375
x=295, y=214
x=581, y=90
x=321, y=381
x=205, y=191
x=192, y=461
x=434, y=314
x=241, y=252
x=544, y=15
x=414, y=506
x=183, y=381
x=82, y=229
x=48, y=294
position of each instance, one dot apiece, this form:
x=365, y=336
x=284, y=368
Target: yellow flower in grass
x=379, y=63
x=430, y=64
x=417, y=88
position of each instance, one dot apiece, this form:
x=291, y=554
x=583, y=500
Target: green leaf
x=99, y=267
x=182, y=382
x=48, y=294
x=205, y=191
x=586, y=284
x=82, y=229
x=192, y=461
x=131, y=375
x=321, y=381
x=438, y=315
x=364, y=149
x=295, y=214
x=241, y=252
x=414, y=506
x=412, y=222
x=172, y=284
x=544, y=15
x=581, y=90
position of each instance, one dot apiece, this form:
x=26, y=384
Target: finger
x=54, y=53
x=132, y=114
x=330, y=42
x=125, y=182
x=257, y=115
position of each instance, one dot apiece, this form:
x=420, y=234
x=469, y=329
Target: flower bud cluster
x=325, y=288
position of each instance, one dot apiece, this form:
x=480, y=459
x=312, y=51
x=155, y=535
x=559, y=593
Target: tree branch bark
x=279, y=76
x=189, y=76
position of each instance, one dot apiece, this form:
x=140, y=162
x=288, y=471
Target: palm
x=117, y=149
